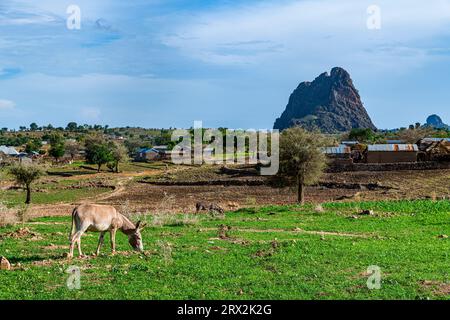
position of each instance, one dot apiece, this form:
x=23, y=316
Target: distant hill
x=436, y=122
x=330, y=103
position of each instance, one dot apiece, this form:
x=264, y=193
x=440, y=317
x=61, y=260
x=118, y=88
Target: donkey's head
x=135, y=238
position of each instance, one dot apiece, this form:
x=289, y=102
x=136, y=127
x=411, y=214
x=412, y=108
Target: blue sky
x=166, y=63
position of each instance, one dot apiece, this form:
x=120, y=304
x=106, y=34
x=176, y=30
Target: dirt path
x=65, y=208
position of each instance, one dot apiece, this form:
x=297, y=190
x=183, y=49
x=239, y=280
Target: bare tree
x=72, y=148
x=119, y=153
x=414, y=135
x=302, y=161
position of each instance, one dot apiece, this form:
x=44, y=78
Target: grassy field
x=285, y=252
x=16, y=197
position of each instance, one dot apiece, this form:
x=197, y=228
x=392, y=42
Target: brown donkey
x=99, y=218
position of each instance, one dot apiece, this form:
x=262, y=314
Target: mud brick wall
x=429, y=165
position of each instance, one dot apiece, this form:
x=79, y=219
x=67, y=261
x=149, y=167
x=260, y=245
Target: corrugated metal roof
x=436, y=139
x=336, y=150
x=8, y=150
x=392, y=147
x=350, y=142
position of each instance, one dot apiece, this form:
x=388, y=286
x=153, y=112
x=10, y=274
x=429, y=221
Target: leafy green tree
x=57, y=146
x=33, y=145
x=26, y=175
x=362, y=135
x=33, y=126
x=72, y=126
x=97, y=151
x=57, y=151
x=302, y=161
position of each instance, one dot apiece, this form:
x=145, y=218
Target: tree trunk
x=117, y=167
x=301, y=193
x=99, y=167
x=28, y=200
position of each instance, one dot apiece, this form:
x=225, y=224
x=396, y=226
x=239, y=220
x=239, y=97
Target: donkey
x=99, y=218
x=200, y=206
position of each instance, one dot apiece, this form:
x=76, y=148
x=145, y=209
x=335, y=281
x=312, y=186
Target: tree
x=26, y=175
x=72, y=148
x=363, y=135
x=33, y=126
x=33, y=145
x=57, y=146
x=119, y=153
x=302, y=161
x=72, y=126
x=414, y=135
x=97, y=151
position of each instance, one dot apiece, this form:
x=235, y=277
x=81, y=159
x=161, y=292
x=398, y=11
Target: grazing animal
x=215, y=207
x=200, y=206
x=99, y=218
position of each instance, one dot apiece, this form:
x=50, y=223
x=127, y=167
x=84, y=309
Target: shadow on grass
x=36, y=258
x=68, y=173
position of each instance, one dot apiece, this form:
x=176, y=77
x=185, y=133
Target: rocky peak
x=330, y=103
x=436, y=122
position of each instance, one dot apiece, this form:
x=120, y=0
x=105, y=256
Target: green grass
x=50, y=196
x=281, y=263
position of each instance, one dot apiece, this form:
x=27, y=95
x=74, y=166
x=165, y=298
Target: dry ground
x=144, y=197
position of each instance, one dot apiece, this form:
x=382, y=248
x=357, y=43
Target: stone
x=4, y=264
x=367, y=213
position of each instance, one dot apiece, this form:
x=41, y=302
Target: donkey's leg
x=79, y=234
x=100, y=242
x=72, y=245
x=113, y=240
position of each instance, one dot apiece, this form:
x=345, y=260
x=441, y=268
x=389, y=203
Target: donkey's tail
x=73, y=224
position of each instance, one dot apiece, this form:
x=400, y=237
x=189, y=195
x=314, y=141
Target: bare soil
x=349, y=186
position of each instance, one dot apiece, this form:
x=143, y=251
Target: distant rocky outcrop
x=436, y=122
x=330, y=103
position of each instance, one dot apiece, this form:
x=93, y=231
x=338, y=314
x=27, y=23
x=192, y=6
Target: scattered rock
x=367, y=213
x=443, y=236
x=22, y=233
x=233, y=205
x=319, y=208
x=4, y=264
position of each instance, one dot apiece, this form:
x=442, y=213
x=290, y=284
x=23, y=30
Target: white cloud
x=7, y=104
x=90, y=113
x=310, y=31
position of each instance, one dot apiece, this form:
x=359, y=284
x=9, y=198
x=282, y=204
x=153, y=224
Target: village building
x=391, y=153
x=339, y=155
x=434, y=149
x=148, y=154
x=9, y=151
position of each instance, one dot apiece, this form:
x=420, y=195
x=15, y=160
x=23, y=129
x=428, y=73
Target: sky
x=167, y=63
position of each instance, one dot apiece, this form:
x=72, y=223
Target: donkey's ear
x=140, y=225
